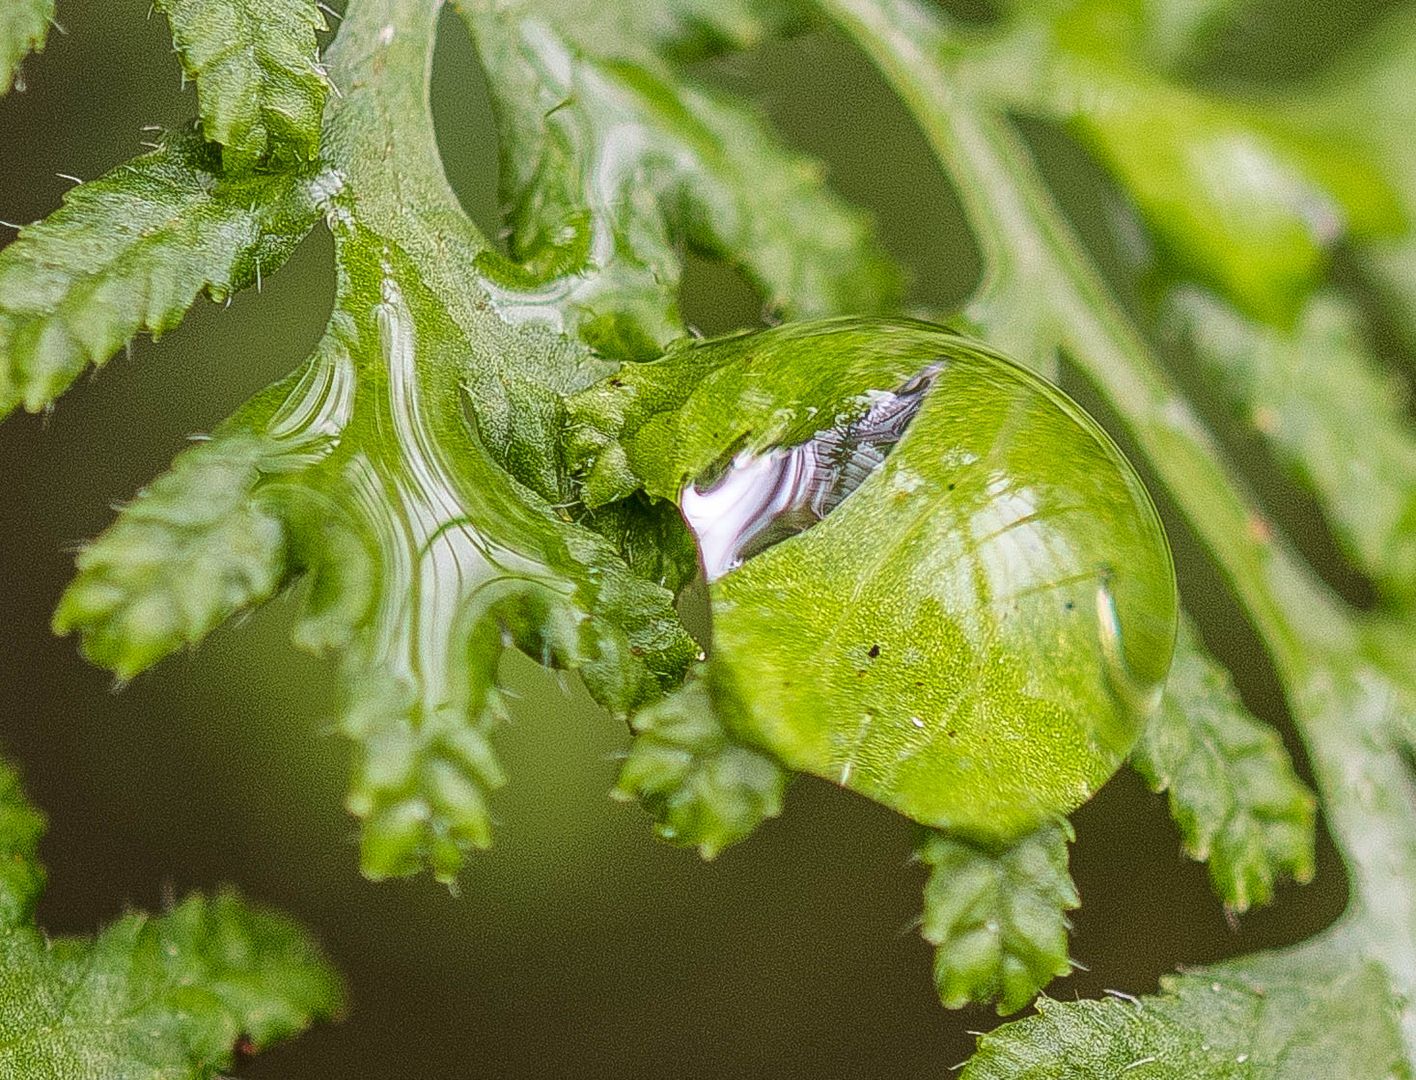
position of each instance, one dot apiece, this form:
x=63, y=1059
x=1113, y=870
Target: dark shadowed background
x=580, y=946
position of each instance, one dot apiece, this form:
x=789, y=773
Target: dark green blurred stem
x=1343, y=705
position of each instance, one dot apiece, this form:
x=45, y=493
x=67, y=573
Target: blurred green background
x=580, y=946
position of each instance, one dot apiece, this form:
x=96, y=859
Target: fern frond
x=998, y=917
x=1232, y=789
x=129, y=252
x=610, y=165
x=260, y=86
x=170, y=995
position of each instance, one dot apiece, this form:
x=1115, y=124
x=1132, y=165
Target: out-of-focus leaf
x=1232, y=789
x=1333, y=416
x=24, y=26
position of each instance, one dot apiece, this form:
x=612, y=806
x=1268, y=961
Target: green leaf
x=1334, y=417
x=1315, y=1011
x=410, y=475
x=24, y=26
x=895, y=645
x=1237, y=200
x=129, y=252
x=1231, y=785
x=1345, y=676
x=611, y=163
x=260, y=86
x=149, y=998
x=187, y=553
x=704, y=788
x=1247, y=199
x=997, y=917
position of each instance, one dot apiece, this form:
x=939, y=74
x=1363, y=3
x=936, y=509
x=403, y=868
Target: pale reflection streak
x=762, y=499
x=449, y=556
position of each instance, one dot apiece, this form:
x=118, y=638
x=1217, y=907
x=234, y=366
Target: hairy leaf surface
x=148, y=997
x=1334, y=417
x=1313, y=1012
x=260, y=86
x=130, y=252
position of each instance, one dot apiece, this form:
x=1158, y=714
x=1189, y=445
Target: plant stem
x=1342, y=704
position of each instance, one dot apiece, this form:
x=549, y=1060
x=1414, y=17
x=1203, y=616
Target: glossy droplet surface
x=761, y=499
x=972, y=628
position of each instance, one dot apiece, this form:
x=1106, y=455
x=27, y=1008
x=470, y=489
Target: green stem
x=1342, y=708
x=1028, y=245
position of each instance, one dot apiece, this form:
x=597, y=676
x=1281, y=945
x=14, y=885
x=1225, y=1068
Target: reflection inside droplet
x=1137, y=694
x=762, y=499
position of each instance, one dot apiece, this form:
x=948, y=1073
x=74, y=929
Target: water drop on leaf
x=934, y=578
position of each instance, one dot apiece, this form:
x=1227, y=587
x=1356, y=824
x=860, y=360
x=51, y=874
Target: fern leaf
x=24, y=26
x=610, y=165
x=1316, y=1011
x=189, y=551
x=260, y=86
x=1333, y=416
x=168, y=996
x=1233, y=793
x=998, y=918
x=407, y=475
x=704, y=788
x=129, y=252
